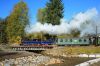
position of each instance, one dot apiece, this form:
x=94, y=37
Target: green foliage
x=3, y=38
x=54, y=11
x=75, y=32
x=40, y=35
x=34, y=36
x=17, y=21
x=41, y=16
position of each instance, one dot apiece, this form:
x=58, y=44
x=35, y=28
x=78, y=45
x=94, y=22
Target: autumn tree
x=17, y=21
x=54, y=11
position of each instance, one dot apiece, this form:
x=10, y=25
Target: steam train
x=62, y=42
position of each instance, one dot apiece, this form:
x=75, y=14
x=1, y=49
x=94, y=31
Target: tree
x=41, y=16
x=54, y=11
x=0, y=30
x=17, y=21
x=3, y=37
x=75, y=32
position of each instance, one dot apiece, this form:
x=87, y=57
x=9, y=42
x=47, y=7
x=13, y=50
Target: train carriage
x=73, y=41
x=64, y=41
x=99, y=41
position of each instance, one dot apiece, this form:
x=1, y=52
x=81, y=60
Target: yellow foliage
x=18, y=40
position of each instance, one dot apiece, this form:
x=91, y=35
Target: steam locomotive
x=63, y=41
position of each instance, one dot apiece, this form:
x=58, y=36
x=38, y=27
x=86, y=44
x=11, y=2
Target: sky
x=71, y=7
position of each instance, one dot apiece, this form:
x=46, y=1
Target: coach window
x=70, y=40
x=84, y=40
x=61, y=40
x=80, y=40
x=66, y=40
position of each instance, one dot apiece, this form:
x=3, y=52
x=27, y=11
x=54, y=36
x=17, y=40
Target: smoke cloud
x=85, y=22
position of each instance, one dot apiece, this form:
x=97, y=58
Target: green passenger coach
x=73, y=41
x=98, y=41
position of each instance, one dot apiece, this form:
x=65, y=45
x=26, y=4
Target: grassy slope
x=85, y=49
x=73, y=50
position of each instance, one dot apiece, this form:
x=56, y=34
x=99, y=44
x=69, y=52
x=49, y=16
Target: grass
x=4, y=47
x=75, y=50
x=80, y=50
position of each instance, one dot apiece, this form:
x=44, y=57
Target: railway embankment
x=23, y=58
x=26, y=59
x=58, y=56
x=77, y=51
x=75, y=55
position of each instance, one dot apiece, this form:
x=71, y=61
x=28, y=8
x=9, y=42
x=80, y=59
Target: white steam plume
x=84, y=22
